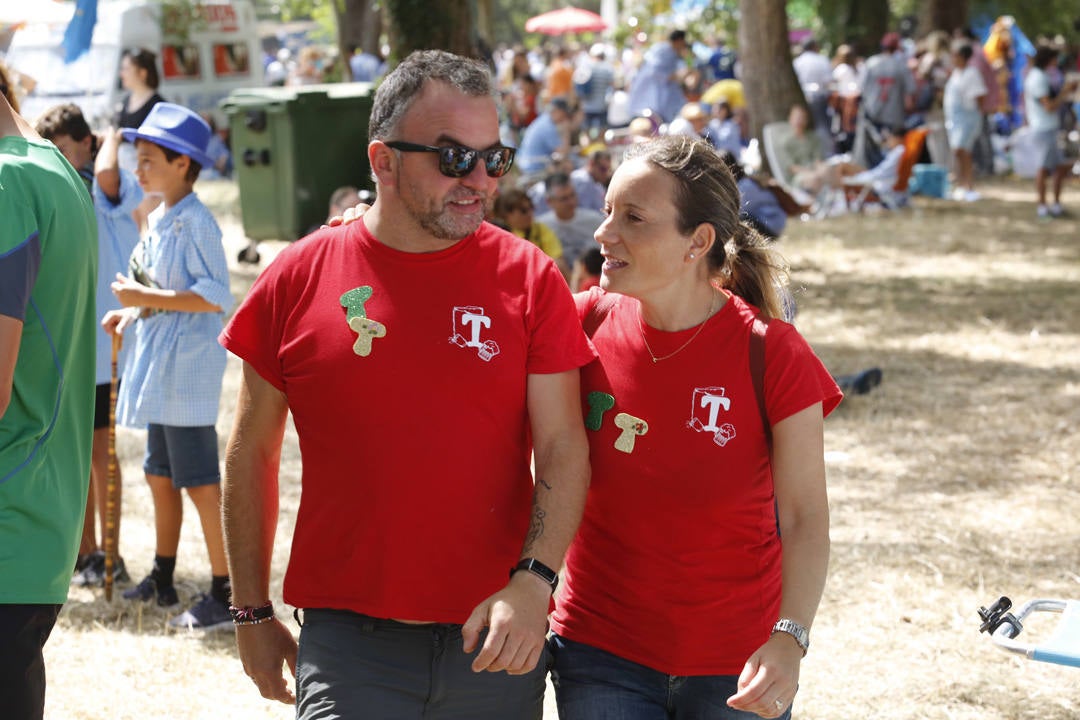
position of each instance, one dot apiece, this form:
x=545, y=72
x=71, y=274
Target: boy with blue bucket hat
x=174, y=301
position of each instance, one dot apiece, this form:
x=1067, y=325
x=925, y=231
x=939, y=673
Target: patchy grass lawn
x=952, y=483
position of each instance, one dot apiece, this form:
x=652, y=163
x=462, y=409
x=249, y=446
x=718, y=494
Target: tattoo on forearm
x=536, y=525
x=543, y=482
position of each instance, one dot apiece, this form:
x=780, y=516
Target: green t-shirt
x=48, y=247
x=803, y=151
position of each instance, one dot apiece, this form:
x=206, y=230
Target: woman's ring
x=779, y=704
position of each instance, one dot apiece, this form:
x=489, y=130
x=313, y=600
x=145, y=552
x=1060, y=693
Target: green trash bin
x=292, y=147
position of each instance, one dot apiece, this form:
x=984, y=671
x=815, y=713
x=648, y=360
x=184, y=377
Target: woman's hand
x=770, y=678
x=350, y=214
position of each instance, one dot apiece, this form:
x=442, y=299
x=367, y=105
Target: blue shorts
x=963, y=128
x=186, y=455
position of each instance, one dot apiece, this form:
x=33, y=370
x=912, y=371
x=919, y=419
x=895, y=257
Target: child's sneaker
x=148, y=588
x=1057, y=211
x=82, y=560
x=93, y=573
x=208, y=613
x=1042, y=212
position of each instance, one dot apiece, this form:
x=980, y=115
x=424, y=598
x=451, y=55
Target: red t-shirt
x=406, y=377
x=676, y=564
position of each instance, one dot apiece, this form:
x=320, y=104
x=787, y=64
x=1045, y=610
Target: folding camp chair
x=858, y=195
x=773, y=137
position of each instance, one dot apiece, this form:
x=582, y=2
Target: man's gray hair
x=403, y=85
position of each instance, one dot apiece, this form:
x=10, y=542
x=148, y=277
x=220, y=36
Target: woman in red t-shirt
x=680, y=599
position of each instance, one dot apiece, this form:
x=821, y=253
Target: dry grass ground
x=953, y=482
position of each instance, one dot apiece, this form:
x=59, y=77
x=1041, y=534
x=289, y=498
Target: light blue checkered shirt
x=174, y=367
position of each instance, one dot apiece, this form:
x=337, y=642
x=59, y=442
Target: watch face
x=538, y=568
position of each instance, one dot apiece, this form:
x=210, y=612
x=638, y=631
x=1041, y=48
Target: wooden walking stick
x=112, y=487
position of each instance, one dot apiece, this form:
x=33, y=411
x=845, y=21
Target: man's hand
x=263, y=649
x=516, y=618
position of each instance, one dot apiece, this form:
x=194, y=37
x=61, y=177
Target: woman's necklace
x=641, y=329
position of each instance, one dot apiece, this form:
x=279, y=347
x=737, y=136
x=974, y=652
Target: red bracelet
x=252, y=615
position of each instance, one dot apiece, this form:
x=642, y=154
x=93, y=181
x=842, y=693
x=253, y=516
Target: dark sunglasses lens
x=497, y=161
x=457, y=161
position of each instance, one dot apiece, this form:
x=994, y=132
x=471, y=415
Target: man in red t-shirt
x=423, y=354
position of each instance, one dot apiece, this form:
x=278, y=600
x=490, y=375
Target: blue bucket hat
x=177, y=128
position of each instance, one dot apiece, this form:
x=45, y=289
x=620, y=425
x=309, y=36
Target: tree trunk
x=424, y=25
x=485, y=21
x=944, y=15
x=860, y=23
x=871, y=20
x=359, y=25
x=769, y=82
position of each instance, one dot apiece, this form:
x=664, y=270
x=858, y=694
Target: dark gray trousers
x=354, y=666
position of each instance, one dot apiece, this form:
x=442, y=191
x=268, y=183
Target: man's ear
x=384, y=163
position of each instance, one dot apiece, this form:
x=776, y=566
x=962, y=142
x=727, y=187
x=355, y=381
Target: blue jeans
x=591, y=684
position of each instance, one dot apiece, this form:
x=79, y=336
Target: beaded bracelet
x=252, y=615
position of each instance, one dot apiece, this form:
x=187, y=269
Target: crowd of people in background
x=561, y=103
x=577, y=117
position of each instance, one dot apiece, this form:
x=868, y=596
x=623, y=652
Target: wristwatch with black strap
x=795, y=630
x=539, y=569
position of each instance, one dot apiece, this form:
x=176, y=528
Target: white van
x=220, y=53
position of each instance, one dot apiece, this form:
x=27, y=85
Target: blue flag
x=80, y=30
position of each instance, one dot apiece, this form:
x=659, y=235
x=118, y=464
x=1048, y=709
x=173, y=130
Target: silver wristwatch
x=795, y=630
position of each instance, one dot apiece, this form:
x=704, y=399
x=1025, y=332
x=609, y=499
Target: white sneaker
x=959, y=194
x=1042, y=211
x=1056, y=210
x=972, y=196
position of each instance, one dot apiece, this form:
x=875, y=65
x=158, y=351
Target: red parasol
x=566, y=20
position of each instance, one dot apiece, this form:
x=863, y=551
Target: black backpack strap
x=595, y=317
x=757, y=371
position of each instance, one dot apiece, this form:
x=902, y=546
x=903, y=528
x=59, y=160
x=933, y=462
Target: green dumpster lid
x=245, y=98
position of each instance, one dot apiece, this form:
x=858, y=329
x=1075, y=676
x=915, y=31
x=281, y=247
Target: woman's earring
x=691, y=256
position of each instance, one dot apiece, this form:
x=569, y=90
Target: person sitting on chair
x=883, y=176
x=809, y=170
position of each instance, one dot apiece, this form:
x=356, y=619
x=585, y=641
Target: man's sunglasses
x=458, y=161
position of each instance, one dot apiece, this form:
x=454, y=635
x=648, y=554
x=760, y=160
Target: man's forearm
x=561, y=459
x=249, y=514
x=562, y=483
x=250, y=489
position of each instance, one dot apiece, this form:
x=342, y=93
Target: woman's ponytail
x=754, y=271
